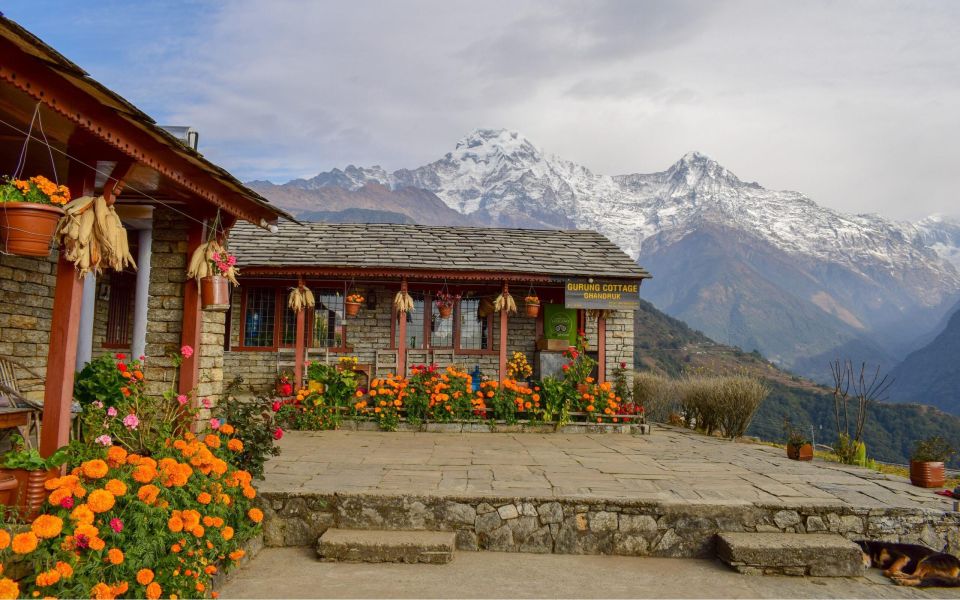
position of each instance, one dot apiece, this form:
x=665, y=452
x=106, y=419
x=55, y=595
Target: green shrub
x=253, y=419
x=932, y=449
x=100, y=379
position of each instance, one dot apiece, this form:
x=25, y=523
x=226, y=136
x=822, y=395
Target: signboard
x=560, y=323
x=606, y=294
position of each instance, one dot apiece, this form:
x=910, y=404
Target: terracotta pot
x=804, y=452
x=445, y=311
x=26, y=228
x=532, y=310
x=215, y=293
x=352, y=308
x=29, y=496
x=927, y=474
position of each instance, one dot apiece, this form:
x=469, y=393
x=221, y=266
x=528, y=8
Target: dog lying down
x=911, y=564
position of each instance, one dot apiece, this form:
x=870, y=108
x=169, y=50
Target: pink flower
x=232, y=260
x=142, y=358
x=82, y=542
x=277, y=433
x=97, y=404
x=206, y=403
x=186, y=351
x=182, y=399
x=111, y=412
x=131, y=421
x=104, y=440
x=623, y=365
x=67, y=502
x=215, y=423
x=116, y=524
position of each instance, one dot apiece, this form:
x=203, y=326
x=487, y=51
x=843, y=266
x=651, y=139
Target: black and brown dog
x=912, y=564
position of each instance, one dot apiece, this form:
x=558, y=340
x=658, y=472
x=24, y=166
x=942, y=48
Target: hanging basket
x=531, y=309
x=352, y=308
x=215, y=293
x=26, y=228
x=445, y=311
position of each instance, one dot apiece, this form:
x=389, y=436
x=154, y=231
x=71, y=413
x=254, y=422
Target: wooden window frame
x=114, y=312
x=280, y=308
x=428, y=310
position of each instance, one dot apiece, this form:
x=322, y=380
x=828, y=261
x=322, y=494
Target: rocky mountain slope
x=930, y=375
x=752, y=267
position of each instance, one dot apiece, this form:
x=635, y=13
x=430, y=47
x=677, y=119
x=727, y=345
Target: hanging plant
x=214, y=268
x=505, y=302
x=445, y=301
x=353, y=304
x=403, y=302
x=29, y=213
x=93, y=235
x=301, y=298
x=531, y=304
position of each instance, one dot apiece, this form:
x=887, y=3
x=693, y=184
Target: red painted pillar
x=601, y=347
x=504, y=322
x=402, y=336
x=64, y=335
x=192, y=319
x=301, y=346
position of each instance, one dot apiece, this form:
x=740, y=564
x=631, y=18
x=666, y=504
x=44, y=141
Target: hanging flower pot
x=353, y=304
x=445, y=311
x=444, y=301
x=531, y=306
x=215, y=293
x=29, y=212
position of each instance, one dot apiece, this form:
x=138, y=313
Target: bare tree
x=866, y=389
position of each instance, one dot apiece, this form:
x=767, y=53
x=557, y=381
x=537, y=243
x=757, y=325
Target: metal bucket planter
x=215, y=293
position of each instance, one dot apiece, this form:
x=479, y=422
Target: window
x=415, y=324
x=328, y=325
x=259, y=316
x=441, y=330
x=119, y=309
x=474, y=329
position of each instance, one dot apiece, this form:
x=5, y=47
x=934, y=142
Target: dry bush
x=698, y=396
x=720, y=404
x=656, y=394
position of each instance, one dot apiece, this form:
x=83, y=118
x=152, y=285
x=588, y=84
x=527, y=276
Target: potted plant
x=353, y=303
x=799, y=447
x=445, y=301
x=29, y=212
x=214, y=268
x=531, y=306
x=31, y=471
x=927, y=462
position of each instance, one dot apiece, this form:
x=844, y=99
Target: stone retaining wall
x=573, y=526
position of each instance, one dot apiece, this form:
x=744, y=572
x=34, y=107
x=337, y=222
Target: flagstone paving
x=671, y=465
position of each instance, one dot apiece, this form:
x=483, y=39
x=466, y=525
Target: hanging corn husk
x=301, y=298
x=93, y=235
x=596, y=313
x=505, y=302
x=403, y=302
x=485, y=308
x=203, y=263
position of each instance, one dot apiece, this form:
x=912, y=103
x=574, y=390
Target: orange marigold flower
x=148, y=493
x=48, y=578
x=24, y=543
x=235, y=445
x=100, y=501
x=227, y=429
x=4, y=539
x=116, y=456
x=9, y=589
x=237, y=554
x=198, y=531
x=47, y=526
x=59, y=495
x=120, y=588
x=115, y=556
x=154, y=591
x=176, y=548
x=175, y=523
x=204, y=498
x=144, y=473
x=227, y=533
x=94, y=469
x=144, y=576
x=102, y=591
x=82, y=514
x=255, y=514
x=97, y=544
x=116, y=487
x=66, y=571
x=212, y=441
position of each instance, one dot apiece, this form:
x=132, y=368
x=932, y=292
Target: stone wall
x=576, y=526
x=370, y=330
x=26, y=302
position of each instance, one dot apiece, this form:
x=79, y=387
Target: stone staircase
x=380, y=546
x=811, y=554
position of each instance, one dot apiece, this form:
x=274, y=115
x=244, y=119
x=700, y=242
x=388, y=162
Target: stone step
x=376, y=545
x=814, y=554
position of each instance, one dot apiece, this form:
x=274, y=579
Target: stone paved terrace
x=672, y=466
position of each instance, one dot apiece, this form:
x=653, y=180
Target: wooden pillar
x=504, y=322
x=601, y=347
x=64, y=335
x=192, y=318
x=402, y=336
x=300, y=345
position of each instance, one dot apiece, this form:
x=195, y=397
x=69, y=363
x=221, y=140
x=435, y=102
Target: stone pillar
x=88, y=305
x=139, y=346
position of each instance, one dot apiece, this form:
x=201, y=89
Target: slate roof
x=422, y=247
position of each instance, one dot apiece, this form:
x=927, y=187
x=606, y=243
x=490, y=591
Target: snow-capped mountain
x=775, y=270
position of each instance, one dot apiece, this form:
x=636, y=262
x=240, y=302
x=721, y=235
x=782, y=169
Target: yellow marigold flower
x=95, y=469
x=154, y=591
x=9, y=589
x=255, y=514
x=116, y=487
x=100, y=501
x=25, y=543
x=48, y=578
x=102, y=591
x=65, y=570
x=144, y=576
x=4, y=539
x=47, y=526
x=235, y=445
x=115, y=556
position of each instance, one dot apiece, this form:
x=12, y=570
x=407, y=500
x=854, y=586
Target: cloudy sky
x=856, y=104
